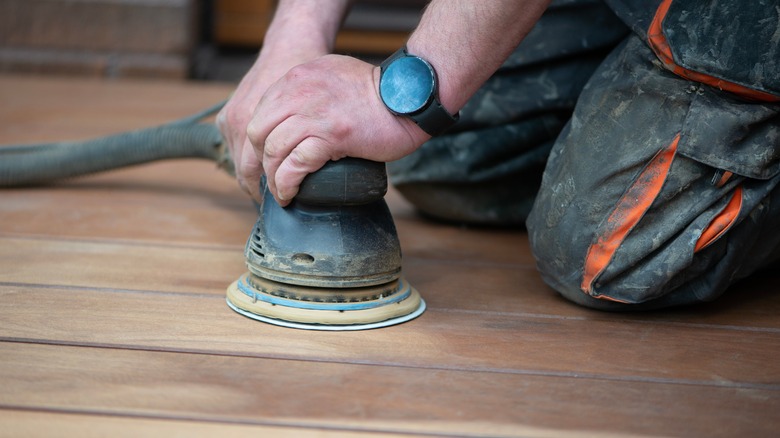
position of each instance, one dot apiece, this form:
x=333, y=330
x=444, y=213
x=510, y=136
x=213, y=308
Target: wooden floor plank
x=440, y=339
x=140, y=203
x=120, y=265
x=446, y=285
x=377, y=398
x=25, y=423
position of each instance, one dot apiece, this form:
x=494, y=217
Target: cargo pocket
x=721, y=166
x=740, y=142
x=731, y=46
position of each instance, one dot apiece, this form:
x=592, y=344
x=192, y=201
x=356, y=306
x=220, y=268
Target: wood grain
x=440, y=339
x=355, y=396
x=47, y=423
x=113, y=320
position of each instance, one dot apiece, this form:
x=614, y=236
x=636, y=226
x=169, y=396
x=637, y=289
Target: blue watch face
x=407, y=85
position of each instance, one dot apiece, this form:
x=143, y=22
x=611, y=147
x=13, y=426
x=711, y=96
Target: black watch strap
x=397, y=54
x=433, y=118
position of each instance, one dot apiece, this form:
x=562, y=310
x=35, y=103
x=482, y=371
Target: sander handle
x=348, y=181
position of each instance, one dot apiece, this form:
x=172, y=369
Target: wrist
x=447, y=87
x=306, y=25
x=408, y=87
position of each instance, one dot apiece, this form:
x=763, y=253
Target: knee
x=560, y=264
x=642, y=280
x=559, y=256
x=561, y=242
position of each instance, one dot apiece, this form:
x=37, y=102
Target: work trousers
x=642, y=184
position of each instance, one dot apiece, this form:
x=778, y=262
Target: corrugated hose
x=36, y=164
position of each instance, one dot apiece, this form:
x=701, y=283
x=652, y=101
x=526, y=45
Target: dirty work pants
x=658, y=191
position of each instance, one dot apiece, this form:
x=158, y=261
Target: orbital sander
x=330, y=260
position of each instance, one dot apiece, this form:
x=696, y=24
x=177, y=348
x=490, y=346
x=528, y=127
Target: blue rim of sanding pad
x=332, y=328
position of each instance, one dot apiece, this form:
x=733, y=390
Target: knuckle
x=299, y=157
x=253, y=132
x=229, y=117
x=270, y=150
x=340, y=130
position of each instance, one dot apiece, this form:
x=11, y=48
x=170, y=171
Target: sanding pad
x=333, y=309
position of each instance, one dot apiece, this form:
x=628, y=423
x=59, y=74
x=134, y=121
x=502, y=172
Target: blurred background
x=210, y=40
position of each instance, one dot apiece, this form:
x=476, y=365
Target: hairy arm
x=467, y=41
x=330, y=108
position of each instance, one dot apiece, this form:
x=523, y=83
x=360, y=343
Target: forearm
x=466, y=41
x=300, y=27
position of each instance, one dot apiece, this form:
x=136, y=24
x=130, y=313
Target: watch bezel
x=390, y=69
x=430, y=116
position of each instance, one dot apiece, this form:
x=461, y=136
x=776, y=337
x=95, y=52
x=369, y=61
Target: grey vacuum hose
x=22, y=165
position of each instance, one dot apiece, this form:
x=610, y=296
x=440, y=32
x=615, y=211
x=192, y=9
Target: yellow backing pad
x=324, y=308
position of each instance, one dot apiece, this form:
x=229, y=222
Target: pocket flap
x=729, y=134
x=735, y=40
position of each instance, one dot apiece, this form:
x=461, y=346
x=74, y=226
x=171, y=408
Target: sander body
x=331, y=260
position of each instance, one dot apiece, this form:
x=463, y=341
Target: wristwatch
x=408, y=87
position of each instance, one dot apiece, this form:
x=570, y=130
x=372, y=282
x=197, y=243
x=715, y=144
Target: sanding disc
x=334, y=309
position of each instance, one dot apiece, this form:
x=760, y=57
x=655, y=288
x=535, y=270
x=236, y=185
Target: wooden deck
x=113, y=320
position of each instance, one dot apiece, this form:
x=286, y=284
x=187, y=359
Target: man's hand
x=234, y=118
x=324, y=110
x=302, y=30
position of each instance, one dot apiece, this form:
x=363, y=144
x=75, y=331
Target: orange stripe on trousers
x=722, y=222
x=627, y=213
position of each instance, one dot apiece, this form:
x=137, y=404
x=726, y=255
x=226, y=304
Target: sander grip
x=348, y=181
